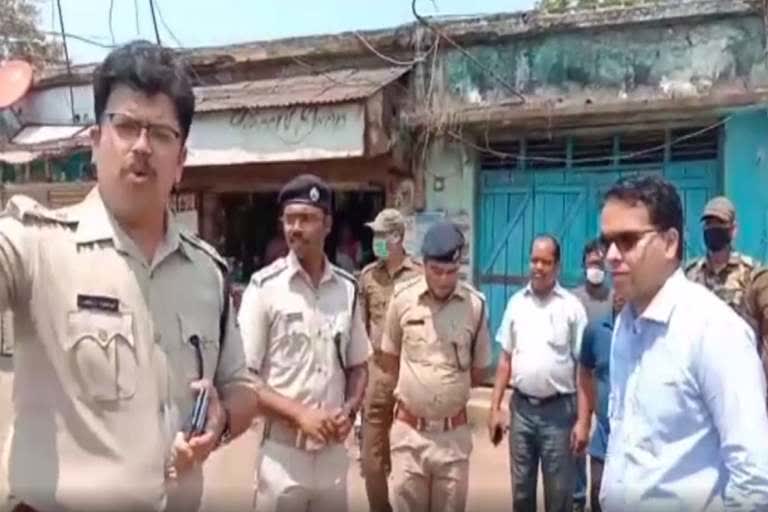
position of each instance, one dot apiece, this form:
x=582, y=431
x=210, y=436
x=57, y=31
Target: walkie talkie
x=195, y=424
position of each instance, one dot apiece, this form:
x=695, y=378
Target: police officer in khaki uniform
x=303, y=333
x=121, y=317
x=723, y=271
x=756, y=308
x=377, y=282
x=436, y=343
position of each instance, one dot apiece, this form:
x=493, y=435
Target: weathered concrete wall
x=450, y=193
x=668, y=59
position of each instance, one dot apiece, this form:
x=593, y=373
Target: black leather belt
x=534, y=400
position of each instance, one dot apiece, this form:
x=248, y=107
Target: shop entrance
x=253, y=239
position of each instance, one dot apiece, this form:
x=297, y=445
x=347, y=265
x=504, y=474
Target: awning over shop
x=307, y=117
x=334, y=114
x=41, y=141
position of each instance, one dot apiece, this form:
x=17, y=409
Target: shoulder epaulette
x=206, y=248
x=404, y=285
x=271, y=271
x=26, y=209
x=693, y=264
x=344, y=274
x=747, y=260
x=369, y=267
x=474, y=291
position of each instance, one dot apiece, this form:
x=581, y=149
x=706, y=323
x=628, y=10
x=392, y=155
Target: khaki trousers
x=430, y=471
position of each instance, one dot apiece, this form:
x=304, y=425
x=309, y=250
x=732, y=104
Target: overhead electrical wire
x=154, y=22
x=440, y=33
x=66, y=57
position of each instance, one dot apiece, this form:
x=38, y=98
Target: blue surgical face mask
x=380, y=248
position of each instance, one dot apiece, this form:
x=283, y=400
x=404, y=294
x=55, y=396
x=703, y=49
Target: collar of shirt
x=556, y=290
x=406, y=264
x=96, y=224
x=422, y=290
x=662, y=305
x=294, y=268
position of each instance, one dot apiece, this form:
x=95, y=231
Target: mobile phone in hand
x=498, y=435
x=196, y=422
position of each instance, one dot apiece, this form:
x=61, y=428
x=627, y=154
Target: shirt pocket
x=199, y=347
x=415, y=338
x=102, y=354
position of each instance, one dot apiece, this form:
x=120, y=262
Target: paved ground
x=230, y=472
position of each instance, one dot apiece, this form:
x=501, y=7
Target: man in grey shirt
x=597, y=298
x=594, y=294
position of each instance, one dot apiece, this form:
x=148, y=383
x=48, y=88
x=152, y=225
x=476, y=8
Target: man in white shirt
x=687, y=400
x=541, y=332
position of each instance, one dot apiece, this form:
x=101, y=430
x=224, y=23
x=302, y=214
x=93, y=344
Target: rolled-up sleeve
x=232, y=368
x=359, y=347
x=505, y=335
x=734, y=388
x=14, y=275
x=579, y=323
x=253, y=320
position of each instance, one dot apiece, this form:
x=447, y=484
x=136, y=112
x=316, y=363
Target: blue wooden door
x=515, y=205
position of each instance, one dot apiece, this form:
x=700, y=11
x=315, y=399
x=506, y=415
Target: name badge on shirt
x=295, y=317
x=98, y=303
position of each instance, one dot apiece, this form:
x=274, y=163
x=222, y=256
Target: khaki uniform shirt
x=102, y=358
x=438, y=344
x=729, y=283
x=756, y=307
x=300, y=338
x=376, y=288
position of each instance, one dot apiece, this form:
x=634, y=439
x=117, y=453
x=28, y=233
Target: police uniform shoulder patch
x=206, y=248
x=269, y=272
x=27, y=210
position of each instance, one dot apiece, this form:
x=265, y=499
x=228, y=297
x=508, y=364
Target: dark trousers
x=542, y=433
x=596, y=476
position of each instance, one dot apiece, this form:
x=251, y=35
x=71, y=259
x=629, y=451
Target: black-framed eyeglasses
x=625, y=240
x=129, y=128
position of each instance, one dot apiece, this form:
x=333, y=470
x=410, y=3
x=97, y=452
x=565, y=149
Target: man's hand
x=202, y=445
x=317, y=423
x=192, y=451
x=497, y=425
x=343, y=423
x=579, y=437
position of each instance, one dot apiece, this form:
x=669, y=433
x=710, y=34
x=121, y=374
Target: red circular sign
x=15, y=79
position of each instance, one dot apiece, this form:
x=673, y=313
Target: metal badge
x=314, y=194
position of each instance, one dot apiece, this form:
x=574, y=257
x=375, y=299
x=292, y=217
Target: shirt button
x=102, y=335
x=158, y=338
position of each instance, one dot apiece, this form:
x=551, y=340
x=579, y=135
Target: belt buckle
x=535, y=401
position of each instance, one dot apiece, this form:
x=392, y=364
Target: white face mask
x=595, y=275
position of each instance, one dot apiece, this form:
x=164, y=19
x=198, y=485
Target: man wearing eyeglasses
x=540, y=336
x=724, y=271
x=122, y=317
x=687, y=395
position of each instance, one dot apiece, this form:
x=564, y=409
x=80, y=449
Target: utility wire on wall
x=440, y=33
